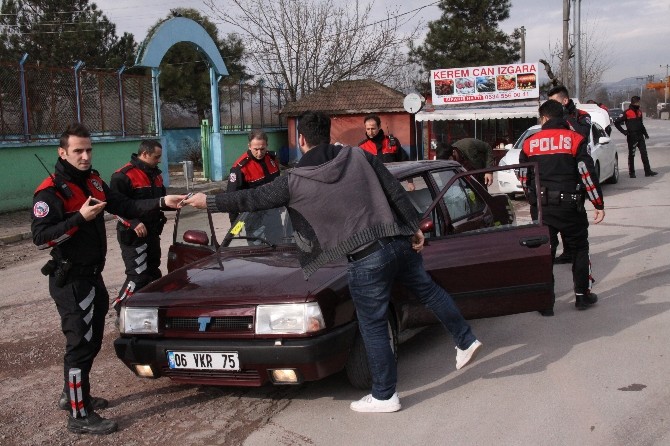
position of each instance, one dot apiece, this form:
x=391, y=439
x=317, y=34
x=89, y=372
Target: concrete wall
x=21, y=173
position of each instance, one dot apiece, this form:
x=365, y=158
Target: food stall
x=492, y=103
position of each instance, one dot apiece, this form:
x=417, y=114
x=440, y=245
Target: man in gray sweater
x=343, y=202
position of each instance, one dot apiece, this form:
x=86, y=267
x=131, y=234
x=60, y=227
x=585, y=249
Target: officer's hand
x=410, y=186
x=89, y=210
x=600, y=216
x=646, y=136
x=173, y=200
x=141, y=230
x=488, y=179
x=625, y=133
x=198, y=200
x=417, y=241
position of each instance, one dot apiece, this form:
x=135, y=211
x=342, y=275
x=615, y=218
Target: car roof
x=598, y=115
x=409, y=168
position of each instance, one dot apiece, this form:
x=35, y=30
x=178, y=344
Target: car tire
x=615, y=174
x=357, y=369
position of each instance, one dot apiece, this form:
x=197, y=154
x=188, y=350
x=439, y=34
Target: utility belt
x=559, y=198
x=64, y=271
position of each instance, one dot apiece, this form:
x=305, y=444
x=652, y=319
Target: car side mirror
x=426, y=225
x=604, y=140
x=196, y=237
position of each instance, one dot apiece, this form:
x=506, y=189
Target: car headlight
x=138, y=320
x=289, y=318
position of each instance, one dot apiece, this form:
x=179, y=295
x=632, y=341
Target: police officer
x=580, y=122
x=636, y=134
x=388, y=148
x=478, y=155
x=567, y=175
x=68, y=217
x=257, y=166
x=140, y=238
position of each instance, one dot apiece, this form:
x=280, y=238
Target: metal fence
x=38, y=102
x=245, y=106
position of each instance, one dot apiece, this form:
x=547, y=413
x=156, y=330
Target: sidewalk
x=15, y=226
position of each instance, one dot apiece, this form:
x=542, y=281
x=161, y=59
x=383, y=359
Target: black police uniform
x=248, y=172
x=579, y=120
x=79, y=248
x=141, y=255
x=387, y=148
x=567, y=176
x=635, y=136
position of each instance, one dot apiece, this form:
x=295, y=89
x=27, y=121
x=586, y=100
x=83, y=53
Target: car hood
x=237, y=277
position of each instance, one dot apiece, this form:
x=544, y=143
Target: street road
x=596, y=377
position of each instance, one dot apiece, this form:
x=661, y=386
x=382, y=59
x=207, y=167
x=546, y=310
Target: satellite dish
x=413, y=102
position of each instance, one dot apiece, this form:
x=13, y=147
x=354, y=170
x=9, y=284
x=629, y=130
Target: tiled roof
x=347, y=97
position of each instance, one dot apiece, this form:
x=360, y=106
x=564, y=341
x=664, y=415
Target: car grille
x=225, y=323
x=244, y=376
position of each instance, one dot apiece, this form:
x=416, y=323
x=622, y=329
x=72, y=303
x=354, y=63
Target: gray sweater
x=335, y=207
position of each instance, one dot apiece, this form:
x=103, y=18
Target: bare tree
x=596, y=60
x=306, y=45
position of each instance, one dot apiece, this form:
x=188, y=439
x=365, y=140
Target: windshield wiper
x=252, y=238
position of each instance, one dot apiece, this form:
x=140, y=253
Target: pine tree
x=467, y=34
x=61, y=32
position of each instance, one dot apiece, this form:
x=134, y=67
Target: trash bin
x=188, y=174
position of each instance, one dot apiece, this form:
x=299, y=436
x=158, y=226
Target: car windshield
x=271, y=227
x=531, y=131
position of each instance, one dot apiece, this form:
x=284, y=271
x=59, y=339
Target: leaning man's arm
x=268, y=196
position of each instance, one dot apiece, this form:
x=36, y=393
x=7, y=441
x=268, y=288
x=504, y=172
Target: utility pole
x=523, y=44
x=641, y=78
x=566, y=42
x=578, y=45
x=667, y=80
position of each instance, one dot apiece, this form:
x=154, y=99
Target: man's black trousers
x=82, y=304
x=636, y=140
x=571, y=221
x=142, y=259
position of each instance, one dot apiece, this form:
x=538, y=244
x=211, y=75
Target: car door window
x=461, y=198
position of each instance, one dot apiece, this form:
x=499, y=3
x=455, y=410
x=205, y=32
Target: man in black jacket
x=140, y=238
x=636, y=134
x=68, y=217
x=368, y=218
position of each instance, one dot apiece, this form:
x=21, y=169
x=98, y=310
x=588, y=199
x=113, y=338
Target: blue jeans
x=370, y=282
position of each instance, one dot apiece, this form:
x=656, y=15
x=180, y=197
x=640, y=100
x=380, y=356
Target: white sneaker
x=464, y=357
x=371, y=404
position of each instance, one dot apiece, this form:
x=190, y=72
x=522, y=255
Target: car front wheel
x=358, y=371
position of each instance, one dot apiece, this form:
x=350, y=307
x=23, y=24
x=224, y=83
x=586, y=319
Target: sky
x=633, y=34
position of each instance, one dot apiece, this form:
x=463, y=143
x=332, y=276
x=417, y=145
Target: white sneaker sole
x=379, y=409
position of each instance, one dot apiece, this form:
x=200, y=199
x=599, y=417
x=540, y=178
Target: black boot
x=650, y=173
x=97, y=403
x=583, y=301
x=91, y=424
x=632, y=174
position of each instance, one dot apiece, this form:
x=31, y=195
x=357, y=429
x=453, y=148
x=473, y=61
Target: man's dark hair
x=559, y=90
x=315, y=128
x=635, y=99
x=149, y=146
x=551, y=109
x=258, y=134
x=374, y=118
x=74, y=129
x=443, y=151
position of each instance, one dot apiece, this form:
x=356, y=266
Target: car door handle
x=534, y=242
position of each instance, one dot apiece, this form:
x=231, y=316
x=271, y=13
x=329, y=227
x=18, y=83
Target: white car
x=603, y=153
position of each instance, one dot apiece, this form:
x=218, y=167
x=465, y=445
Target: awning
x=469, y=114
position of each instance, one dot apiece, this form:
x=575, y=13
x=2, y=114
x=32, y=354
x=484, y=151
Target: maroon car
x=236, y=310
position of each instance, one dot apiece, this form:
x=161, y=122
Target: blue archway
x=151, y=53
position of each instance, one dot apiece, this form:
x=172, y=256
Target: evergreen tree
x=467, y=34
x=184, y=75
x=60, y=32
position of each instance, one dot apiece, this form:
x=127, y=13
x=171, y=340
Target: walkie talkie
x=60, y=184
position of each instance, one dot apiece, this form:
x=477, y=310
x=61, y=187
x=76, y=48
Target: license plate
x=203, y=360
